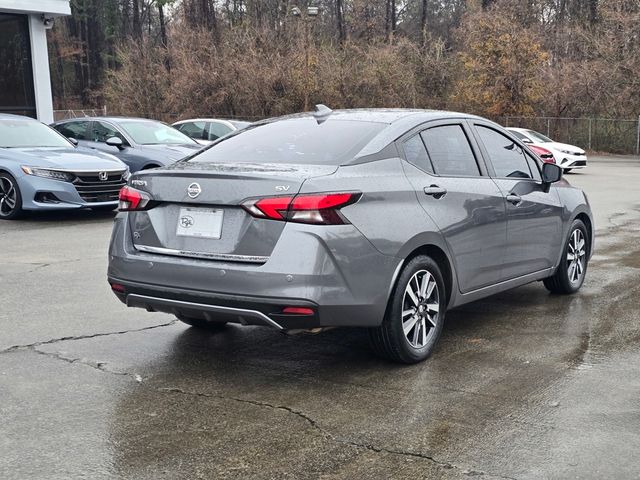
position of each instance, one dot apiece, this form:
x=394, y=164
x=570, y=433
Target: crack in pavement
x=345, y=441
x=33, y=346
x=102, y=366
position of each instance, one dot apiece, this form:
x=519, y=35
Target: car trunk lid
x=198, y=213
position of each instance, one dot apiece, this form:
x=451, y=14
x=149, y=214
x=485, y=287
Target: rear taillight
x=132, y=199
x=316, y=209
x=544, y=154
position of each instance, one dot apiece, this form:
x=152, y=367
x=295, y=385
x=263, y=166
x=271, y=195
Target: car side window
x=197, y=130
x=77, y=130
x=217, y=130
x=450, y=152
x=416, y=153
x=101, y=132
x=506, y=156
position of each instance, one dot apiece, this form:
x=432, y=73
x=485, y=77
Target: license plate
x=199, y=222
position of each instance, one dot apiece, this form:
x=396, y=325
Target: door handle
x=514, y=199
x=435, y=191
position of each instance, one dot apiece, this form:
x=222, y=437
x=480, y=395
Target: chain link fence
x=611, y=135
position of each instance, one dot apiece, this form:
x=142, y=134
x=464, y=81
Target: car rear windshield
x=27, y=134
x=153, y=133
x=293, y=141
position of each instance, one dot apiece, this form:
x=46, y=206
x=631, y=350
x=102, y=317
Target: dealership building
x=25, y=81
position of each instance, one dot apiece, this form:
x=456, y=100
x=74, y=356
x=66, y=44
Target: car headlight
x=568, y=152
x=46, y=173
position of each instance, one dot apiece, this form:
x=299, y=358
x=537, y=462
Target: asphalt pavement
x=523, y=385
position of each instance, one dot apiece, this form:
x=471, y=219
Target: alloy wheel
x=576, y=254
x=420, y=308
x=8, y=197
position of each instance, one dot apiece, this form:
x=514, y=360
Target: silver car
x=381, y=219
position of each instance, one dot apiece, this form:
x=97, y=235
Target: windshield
x=538, y=137
x=294, y=141
x=25, y=133
x=145, y=132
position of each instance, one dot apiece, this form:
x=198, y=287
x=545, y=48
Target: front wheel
x=10, y=198
x=415, y=314
x=572, y=269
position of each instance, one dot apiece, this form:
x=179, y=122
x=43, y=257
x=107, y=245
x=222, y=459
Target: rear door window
x=416, y=153
x=77, y=130
x=450, y=152
x=506, y=156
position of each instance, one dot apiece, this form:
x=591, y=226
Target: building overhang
x=53, y=8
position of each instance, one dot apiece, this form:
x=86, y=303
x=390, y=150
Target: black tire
x=202, y=324
x=10, y=191
x=561, y=281
x=389, y=339
x=104, y=209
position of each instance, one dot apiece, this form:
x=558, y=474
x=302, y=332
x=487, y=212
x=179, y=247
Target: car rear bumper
x=335, y=272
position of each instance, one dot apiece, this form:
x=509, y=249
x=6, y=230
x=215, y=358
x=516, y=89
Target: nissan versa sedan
x=567, y=156
x=42, y=170
x=382, y=219
x=138, y=142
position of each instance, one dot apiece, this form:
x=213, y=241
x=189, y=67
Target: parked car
x=381, y=219
x=138, y=142
x=206, y=130
x=567, y=156
x=42, y=170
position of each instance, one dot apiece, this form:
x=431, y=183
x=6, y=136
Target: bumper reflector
x=297, y=311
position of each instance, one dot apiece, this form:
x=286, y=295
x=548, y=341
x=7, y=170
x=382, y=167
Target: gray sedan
x=366, y=218
x=138, y=142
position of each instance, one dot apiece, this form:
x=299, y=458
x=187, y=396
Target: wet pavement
x=522, y=385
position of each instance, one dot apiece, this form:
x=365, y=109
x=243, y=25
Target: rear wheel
x=10, y=198
x=202, y=324
x=415, y=315
x=572, y=269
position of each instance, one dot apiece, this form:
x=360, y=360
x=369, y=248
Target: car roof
x=380, y=115
x=10, y=116
x=106, y=119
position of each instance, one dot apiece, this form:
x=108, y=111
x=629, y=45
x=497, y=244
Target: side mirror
x=551, y=173
x=74, y=141
x=115, y=142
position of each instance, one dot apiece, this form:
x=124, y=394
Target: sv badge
x=282, y=188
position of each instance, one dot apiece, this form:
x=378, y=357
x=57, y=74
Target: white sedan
x=567, y=156
x=207, y=130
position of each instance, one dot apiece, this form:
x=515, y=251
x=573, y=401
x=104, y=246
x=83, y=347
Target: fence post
x=590, y=120
x=638, y=138
x=548, y=127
